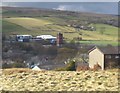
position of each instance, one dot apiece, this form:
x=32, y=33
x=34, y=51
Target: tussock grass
x=18, y=70
x=25, y=79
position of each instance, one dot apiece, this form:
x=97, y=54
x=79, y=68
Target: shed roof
x=107, y=50
x=46, y=37
x=36, y=68
x=24, y=35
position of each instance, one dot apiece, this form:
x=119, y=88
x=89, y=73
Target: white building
x=46, y=37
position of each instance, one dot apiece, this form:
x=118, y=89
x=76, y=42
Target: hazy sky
x=60, y=0
x=97, y=7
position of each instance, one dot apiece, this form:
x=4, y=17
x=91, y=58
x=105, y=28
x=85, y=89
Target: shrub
x=112, y=64
x=96, y=67
x=18, y=65
x=60, y=69
x=51, y=50
x=69, y=67
x=65, y=53
x=79, y=68
x=77, y=38
x=5, y=65
x=14, y=65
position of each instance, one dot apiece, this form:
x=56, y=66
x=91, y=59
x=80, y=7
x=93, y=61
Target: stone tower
x=59, y=39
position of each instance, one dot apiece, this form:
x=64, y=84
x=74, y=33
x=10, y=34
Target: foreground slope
x=25, y=79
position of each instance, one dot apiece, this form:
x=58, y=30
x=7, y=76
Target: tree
x=18, y=65
x=71, y=66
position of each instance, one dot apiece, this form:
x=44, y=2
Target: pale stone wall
x=96, y=56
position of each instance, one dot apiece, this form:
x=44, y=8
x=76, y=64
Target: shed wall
x=96, y=56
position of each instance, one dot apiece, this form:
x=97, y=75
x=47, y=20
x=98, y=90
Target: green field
x=104, y=34
x=10, y=28
x=101, y=42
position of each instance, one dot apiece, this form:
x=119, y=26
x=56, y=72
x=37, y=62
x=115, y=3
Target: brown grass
x=19, y=70
x=82, y=68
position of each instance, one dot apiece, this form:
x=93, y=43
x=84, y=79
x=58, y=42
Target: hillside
x=35, y=21
x=28, y=80
x=42, y=26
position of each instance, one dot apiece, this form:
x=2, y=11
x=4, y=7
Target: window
x=108, y=56
x=117, y=56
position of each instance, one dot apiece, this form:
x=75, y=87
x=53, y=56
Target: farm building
x=108, y=57
x=46, y=37
x=23, y=38
x=50, y=38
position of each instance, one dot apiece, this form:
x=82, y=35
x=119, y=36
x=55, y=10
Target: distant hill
x=37, y=12
x=35, y=21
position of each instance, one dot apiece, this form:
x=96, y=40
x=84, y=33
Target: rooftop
x=108, y=49
x=46, y=36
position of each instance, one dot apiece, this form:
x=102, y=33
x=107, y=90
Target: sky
x=95, y=7
x=60, y=0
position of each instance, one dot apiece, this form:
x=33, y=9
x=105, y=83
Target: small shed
x=36, y=68
x=107, y=57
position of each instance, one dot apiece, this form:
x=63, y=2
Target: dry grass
x=18, y=70
x=28, y=22
x=26, y=79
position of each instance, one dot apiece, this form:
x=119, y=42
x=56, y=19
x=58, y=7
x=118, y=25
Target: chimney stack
x=59, y=39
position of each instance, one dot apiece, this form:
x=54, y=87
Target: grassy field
x=101, y=42
x=9, y=28
x=44, y=25
x=28, y=22
x=37, y=27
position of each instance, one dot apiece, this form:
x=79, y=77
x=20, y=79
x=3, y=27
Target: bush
x=77, y=38
x=5, y=65
x=96, y=67
x=65, y=53
x=14, y=65
x=112, y=64
x=18, y=65
x=60, y=69
x=51, y=50
x=70, y=67
x=79, y=68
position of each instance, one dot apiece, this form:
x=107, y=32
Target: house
x=107, y=57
